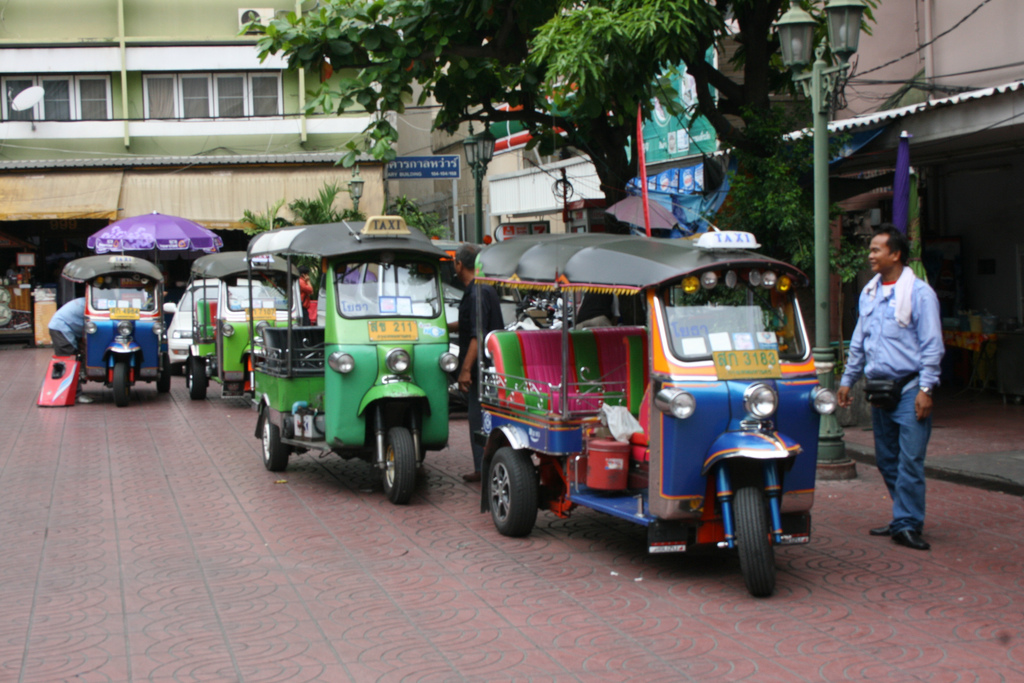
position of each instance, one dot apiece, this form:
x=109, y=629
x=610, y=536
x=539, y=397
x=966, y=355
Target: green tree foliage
x=429, y=223
x=573, y=72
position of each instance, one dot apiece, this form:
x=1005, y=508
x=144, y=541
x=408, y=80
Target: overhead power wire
x=924, y=45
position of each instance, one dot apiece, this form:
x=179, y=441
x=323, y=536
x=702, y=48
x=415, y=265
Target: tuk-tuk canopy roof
x=335, y=239
x=609, y=263
x=89, y=267
x=232, y=262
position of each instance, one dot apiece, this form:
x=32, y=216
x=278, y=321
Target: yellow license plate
x=393, y=330
x=124, y=314
x=763, y=364
x=264, y=314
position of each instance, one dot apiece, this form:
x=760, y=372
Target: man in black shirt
x=469, y=345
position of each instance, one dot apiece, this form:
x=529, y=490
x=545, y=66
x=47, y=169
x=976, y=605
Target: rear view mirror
x=170, y=307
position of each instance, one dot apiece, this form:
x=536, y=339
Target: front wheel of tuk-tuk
x=163, y=380
x=513, y=492
x=399, y=466
x=195, y=378
x=120, y=383
x=275, y=453
x=757, y=561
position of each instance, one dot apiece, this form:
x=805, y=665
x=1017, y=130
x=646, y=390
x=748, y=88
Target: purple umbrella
x=154, y=231
x=631, y=210
x=901, y=186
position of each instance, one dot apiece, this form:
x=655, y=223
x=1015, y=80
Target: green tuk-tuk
x=372, y=381
x=231, y=296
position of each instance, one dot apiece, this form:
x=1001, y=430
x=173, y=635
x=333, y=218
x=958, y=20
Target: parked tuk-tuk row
x=698, y=421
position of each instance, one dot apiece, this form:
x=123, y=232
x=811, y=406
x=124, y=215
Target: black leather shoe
x=910, y=539
x=880, y=531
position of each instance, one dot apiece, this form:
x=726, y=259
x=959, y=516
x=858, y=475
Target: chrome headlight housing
x=158, y=328
x=676, y=402
x=125, y=328
x=227, y=329
x=398, y=361
x=90, y=327
x=824, y=401
x=760, y=401
x=448, y=361
x=260, y=326
x=341, y=362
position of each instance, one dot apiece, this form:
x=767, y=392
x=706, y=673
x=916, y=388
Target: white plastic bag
x=620, y=422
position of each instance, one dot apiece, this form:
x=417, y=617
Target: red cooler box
x=607, y=464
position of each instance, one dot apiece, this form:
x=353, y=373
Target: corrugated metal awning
x=55, y=195
x=217, y=198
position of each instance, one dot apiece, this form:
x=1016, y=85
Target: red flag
x=642, y=166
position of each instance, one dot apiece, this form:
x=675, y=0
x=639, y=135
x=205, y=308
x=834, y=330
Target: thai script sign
x=435, y=167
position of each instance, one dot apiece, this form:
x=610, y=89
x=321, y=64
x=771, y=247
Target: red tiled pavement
x=149, y=544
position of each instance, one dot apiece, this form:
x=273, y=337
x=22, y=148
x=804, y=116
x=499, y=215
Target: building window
x=202, y=96
x=65, y=98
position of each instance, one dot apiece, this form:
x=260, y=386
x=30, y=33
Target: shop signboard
x=436, y=167
x=672, y=137
x=509, y=230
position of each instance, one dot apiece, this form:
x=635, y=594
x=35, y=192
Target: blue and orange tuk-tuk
x=125, y=339
x=715, y=369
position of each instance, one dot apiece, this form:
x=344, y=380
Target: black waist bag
x=886, y=393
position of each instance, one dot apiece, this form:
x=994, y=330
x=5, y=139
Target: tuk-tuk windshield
x=742, y=318
x=268, y=291
x=401, y=289
x=122, y=291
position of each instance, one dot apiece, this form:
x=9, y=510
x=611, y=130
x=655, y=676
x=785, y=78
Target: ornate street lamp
x=355, y=188
x=479, y=152
x=796, y=38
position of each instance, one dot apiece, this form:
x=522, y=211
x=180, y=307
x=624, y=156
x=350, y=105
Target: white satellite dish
x=27, y=98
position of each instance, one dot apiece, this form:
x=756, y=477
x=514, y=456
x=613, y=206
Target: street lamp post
x=479, y=151
x=355, y=188
x=796, y=38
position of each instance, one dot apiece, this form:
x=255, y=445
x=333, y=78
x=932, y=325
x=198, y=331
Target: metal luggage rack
x=305, y=358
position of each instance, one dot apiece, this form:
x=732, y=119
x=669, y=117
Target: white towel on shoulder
x=903, y=294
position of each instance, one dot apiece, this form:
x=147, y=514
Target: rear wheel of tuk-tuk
x=757, y=561
x=195, y=378
x=120, y=383
x=163, y=380
x=275, y=453
x=513, y=492
x=399, y=466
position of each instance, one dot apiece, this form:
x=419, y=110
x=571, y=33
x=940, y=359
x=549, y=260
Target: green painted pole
x=831, y=449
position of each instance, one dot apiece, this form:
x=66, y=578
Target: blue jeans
x=900, y=444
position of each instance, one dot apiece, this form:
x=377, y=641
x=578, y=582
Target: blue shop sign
x=437, y=167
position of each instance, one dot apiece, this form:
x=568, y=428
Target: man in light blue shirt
x=67, y=326
x=898, y=337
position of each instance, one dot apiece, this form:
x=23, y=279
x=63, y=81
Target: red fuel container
x=607, y=464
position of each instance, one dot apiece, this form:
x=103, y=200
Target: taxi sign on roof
x=385, y=226
x=122, y=261
x=727, y=239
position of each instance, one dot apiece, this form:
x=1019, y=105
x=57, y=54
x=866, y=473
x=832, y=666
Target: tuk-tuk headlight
x=691, y=284
x=398, y=361
x=341, y=362
x=676, y=402
x=754, y=278
x=448, y=361
x=784, y=283
x=709, y=279
x=158, y=328
x=824, y=401
x=768, y=279
x=125, y=328
x=90, y=327
x=760, y=401
x=260, y=326
x=227, y=329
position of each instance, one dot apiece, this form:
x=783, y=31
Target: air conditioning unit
x=259, y=15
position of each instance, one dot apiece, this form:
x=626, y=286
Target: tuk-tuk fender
x=120, y=349
x=391, y=391
x=752, y=445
